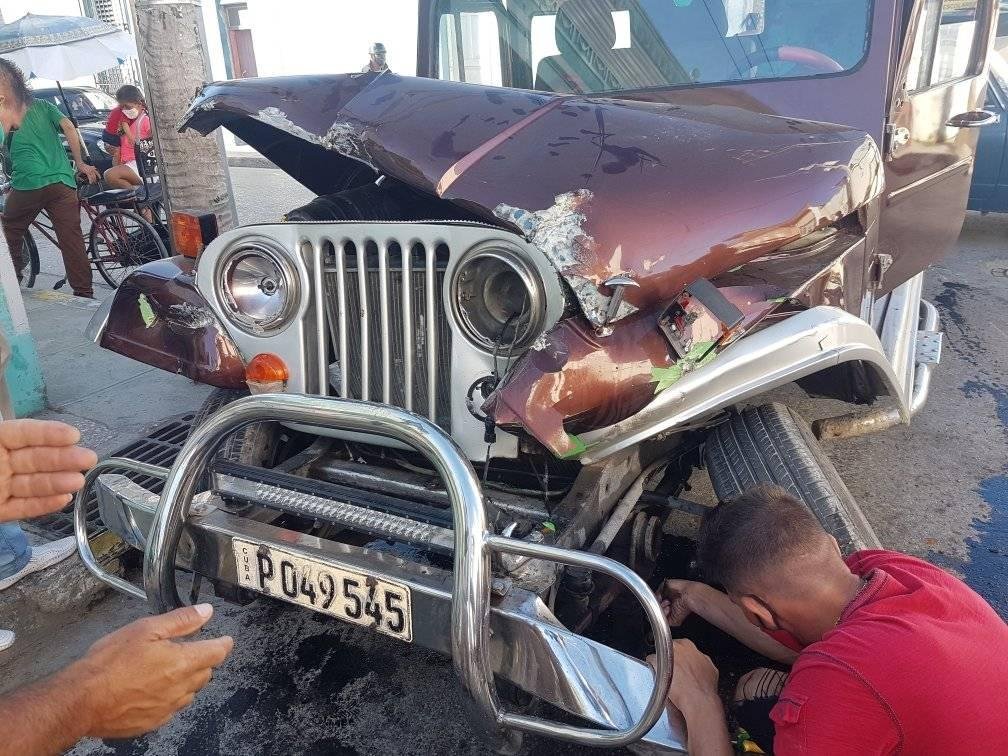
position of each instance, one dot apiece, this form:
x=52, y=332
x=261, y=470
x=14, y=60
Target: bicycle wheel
x=120, y=241
x=30, y=261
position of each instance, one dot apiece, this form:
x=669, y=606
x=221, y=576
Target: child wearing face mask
x=126, y=125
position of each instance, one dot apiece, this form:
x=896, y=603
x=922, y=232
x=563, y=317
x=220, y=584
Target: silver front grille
x=388, y=333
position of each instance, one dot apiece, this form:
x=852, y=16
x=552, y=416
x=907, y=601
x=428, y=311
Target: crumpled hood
x=665, y=193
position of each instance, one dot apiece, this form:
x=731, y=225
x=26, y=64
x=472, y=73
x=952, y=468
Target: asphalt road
x=299, y=683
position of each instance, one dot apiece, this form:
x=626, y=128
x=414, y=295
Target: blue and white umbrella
x=64, y=47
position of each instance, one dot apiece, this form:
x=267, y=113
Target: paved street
x=299, y=683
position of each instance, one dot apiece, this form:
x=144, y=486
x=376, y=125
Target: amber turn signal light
x=191, y=233
x=266, y=373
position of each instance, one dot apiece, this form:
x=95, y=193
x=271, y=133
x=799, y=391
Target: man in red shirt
x=894, y=655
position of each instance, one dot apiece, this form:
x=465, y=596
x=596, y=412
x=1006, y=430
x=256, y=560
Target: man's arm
x=682, y=597
x=130, y=682
x=693, y=691
x=73, y=142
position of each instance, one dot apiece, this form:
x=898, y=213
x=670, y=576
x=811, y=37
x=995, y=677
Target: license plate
x=350, y=596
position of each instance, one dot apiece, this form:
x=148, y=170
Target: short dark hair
x=129, y=93
x=761, y=527
x=16, y=78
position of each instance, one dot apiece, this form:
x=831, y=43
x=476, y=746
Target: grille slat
x=386, y=323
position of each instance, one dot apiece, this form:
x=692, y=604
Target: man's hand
x=675, y=598
x=138, y=677
x=89, y=171
x=693, y=691
x=40, y=467
x=694, y=676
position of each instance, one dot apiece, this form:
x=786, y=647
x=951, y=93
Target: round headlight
x=257, y=288
x=497, y=298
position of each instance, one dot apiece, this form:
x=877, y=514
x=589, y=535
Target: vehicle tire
x=120, y=241
x=254, y=444
x=772, y=444
x=30, y=269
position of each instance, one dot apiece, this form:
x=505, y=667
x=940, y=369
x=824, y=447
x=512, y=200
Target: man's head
x=14, y=93
x=377, y=56
x=776, y=562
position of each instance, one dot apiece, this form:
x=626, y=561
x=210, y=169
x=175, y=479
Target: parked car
x=989, y=190
x=91, y=107
x=540, y=284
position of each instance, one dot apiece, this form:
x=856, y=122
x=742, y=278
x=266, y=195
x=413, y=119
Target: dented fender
x=159, y=318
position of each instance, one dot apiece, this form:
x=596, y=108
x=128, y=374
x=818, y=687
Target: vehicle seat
x=585, y=35
x=99, y=196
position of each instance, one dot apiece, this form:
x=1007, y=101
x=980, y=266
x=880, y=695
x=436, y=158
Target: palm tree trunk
x=173, y=61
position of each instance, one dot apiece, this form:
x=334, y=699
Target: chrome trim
x=386, y=346
x=96, y=326
x=365, y=330
x=267, y=248
x=320, y=330
x=344, y=364
x=432, y=294
x=805, y=343
x=80, y=520
x=525, y=270
x=872, y=421
x=407, y=315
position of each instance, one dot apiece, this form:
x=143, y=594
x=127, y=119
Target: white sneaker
x=45, y=555
x=6, y=639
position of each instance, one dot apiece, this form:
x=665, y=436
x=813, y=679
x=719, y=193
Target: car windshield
x=88, y=103
x=594, y=46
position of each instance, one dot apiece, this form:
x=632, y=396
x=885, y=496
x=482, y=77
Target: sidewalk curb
x=248, y=161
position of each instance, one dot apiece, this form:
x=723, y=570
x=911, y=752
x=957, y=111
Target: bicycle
x=120, y=237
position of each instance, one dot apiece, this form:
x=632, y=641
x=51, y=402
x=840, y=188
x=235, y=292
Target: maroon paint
x=204, y=353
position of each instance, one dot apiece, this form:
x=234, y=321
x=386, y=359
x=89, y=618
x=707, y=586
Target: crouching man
x=894, y=655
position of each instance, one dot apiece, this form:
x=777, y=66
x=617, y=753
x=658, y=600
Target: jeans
x=14, y=549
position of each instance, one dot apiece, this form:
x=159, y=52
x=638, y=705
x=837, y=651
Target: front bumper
x=488, y=627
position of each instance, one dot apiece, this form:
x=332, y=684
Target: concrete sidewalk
x=109, y=397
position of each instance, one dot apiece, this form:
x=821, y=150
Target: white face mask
x=131, y=113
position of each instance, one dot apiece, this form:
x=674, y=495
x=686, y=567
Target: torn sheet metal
x=664, y=193
x=572, y=381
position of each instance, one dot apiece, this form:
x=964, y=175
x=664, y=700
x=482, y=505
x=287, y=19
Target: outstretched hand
x=40, y=467
x=674, y=598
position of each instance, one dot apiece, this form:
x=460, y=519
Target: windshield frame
x=429, y=64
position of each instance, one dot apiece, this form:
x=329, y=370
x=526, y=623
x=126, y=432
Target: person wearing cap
x=376, y=59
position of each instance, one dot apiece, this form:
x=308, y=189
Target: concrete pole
x=22, y=388
x=172, y=47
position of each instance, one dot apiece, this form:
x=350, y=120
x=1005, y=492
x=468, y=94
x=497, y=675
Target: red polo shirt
x=917, y=664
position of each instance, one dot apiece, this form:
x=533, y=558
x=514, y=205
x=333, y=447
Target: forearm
x=73, y=139
x=715, y=607
x=706, y=731
x=46, y=717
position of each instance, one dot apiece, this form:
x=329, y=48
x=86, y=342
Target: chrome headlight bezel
x=287, y=281
x=527, y=274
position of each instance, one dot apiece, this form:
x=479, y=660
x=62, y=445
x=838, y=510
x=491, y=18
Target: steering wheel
x=806, y=57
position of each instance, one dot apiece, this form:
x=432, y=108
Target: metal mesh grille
x=388, y=332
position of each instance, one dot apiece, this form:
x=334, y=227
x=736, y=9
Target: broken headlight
x=257, y=287
x=497, y=298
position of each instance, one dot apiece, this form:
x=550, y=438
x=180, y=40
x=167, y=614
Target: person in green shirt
x=41, y=176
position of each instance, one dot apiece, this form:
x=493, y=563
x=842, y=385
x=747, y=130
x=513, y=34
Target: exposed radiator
x=388, y=333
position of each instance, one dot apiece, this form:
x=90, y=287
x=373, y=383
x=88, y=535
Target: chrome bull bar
x=474, y=543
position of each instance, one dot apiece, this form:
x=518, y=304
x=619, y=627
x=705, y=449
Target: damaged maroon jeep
x=539, y=286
